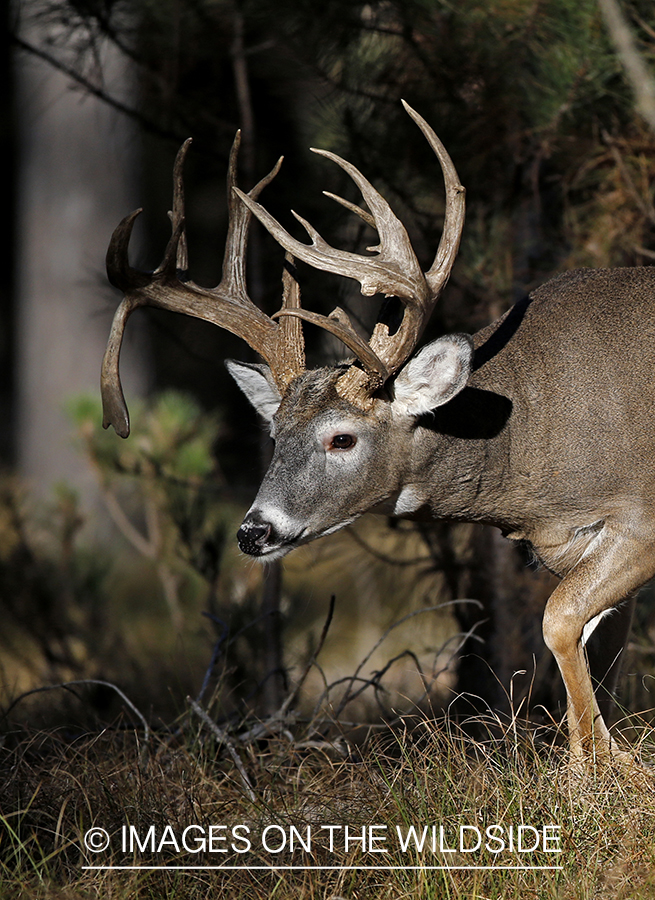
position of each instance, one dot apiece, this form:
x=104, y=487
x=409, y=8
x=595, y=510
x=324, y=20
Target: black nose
x=252, y=537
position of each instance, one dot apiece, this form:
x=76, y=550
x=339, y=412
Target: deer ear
x=256, y=382
x=434, y=375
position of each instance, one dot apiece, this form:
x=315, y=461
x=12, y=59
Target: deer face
x=332, y=461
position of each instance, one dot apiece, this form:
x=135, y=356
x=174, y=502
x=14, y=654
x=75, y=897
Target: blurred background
x=118, y=558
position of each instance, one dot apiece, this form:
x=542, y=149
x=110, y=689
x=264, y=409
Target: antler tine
x=393, y=271
x=119, y=271
x=176, y=215
x=376, y=274
x=366, y=216
x=339, y=324
x=227, y=305
x=114, y=407
x=291, y=325
x=234, y=277
x=128, y=280
x=439, y=272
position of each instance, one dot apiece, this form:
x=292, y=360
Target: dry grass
x=422, y=773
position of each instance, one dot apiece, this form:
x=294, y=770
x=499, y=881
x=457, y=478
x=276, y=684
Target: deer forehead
x=312, y=402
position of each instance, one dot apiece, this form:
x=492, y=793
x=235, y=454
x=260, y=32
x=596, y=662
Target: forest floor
x=420, y=810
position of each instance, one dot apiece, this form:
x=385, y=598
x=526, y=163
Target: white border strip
x=327, y=868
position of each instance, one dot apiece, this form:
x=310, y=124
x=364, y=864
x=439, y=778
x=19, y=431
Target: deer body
x=549, y=439
x=541, y=424
x=575, y=361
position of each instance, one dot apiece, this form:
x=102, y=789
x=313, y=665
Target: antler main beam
x=227, y=305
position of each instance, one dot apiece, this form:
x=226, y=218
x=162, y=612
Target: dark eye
x=343, y=441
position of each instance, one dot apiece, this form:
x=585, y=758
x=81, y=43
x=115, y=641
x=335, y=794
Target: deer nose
x=252, y=536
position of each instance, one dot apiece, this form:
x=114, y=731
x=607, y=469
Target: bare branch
x=223, y=738
x=95, y=91
x=641, y=80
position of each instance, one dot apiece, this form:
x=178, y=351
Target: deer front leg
x=605, y=656
x=613, y=570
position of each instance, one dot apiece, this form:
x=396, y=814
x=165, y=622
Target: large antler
x=227, y=305
x=394, y=271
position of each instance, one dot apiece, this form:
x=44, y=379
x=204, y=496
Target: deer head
x=339, y=431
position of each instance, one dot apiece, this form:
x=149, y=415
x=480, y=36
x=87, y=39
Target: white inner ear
x=432, y=377
x=256, y=382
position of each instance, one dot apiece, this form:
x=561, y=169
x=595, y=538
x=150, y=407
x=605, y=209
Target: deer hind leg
x=612, y=571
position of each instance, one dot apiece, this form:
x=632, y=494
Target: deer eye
x=343, y=441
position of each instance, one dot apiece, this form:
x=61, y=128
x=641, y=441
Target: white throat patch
x=409, y=500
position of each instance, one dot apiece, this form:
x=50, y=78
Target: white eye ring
x=343, y=442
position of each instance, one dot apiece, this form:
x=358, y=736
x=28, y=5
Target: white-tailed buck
x=542, y=424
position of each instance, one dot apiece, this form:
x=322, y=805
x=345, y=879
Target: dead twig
x=224, y=738
x=280, y=720
x=326, y=627
x=346, y=698
x=67, y=685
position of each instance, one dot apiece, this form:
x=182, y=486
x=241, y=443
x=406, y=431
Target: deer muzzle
x=253, y=536
x=269, y=533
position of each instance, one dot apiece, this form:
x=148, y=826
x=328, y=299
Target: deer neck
x=458, y=467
